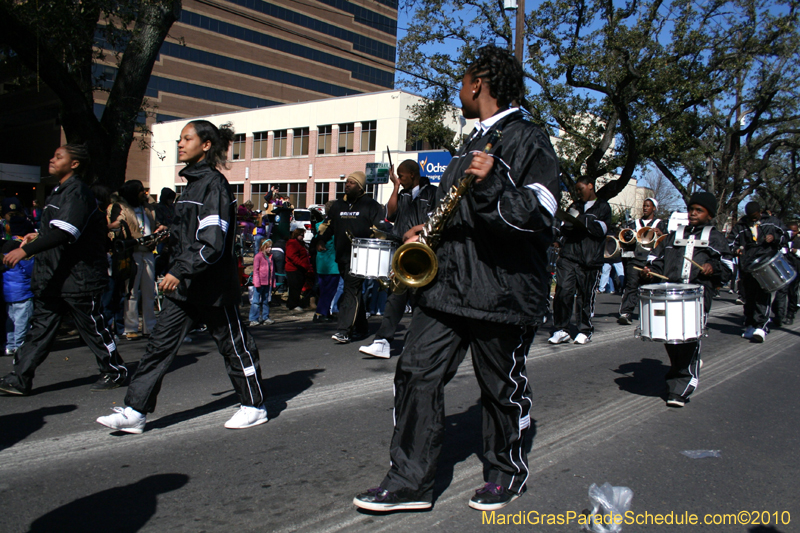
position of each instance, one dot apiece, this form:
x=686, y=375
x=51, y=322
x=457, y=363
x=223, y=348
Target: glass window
x=260, y=145
x=347, y=133
x=321, y=192
x=179, y=188
x=257, y=192
x=238, y=146
x=279, y=143
x=300, y=141
x=339, y=190
x=324, y=139
x=176, y=152
x=296, y=192
x=369, y=133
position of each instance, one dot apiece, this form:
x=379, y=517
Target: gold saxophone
x=414, y=264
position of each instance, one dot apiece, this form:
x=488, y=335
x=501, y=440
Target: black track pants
x=435, y=345
x=86, y=312
x=392, y=314
x=233, y=341
x=684, y=373
x=630, y=296
x=756, y=303
x=352, y=313
x=574, y=280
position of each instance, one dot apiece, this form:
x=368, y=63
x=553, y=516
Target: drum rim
x=373, y=243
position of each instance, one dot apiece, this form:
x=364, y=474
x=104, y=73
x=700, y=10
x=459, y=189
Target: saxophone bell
x=414, y=265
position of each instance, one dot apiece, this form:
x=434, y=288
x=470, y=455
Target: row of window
x=372, y=47
x=296, y=192
x=358, y=70
x=300, y=141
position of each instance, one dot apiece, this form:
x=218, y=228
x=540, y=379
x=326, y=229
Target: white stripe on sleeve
x=545, y=197
x=66, y=226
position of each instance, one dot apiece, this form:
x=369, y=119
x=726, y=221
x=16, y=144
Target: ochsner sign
x=432, y=164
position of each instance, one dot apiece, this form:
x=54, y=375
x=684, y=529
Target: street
x=599, y=417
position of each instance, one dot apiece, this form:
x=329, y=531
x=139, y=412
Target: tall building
x=229, y=55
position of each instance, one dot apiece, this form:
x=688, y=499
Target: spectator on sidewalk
x=263, y=283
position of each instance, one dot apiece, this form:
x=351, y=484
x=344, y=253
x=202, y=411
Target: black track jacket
x=585, y=246
x=203, y=232
x=758, y=248
x=493, y=253
x=80, y=266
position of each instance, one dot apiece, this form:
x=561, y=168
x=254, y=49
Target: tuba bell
x=626, y=237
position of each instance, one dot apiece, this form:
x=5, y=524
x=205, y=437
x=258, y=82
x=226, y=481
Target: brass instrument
x=627, y=237
x=414, y=264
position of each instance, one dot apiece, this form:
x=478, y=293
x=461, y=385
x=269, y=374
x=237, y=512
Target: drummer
x=757, y=238
x=668, y=259
x=353, y=215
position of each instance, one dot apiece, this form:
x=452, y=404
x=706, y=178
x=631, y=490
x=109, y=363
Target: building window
x=279, y=143
x=324, y=139
x=238, y=146
x=257, y=193
x=340, y=190
x=237, y=192
x=300, y=141
x=321, y=193
x=260, y=145
x=371, y=190
x=179, y=190
x=347, y=133
x=177, y=155
x=296, y=192
x=369, y=133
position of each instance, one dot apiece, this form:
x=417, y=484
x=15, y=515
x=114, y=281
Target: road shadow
x=645, y=378
x=463, y=438
x=281, y=389
x=764, y=529
x=16, y=427
x=121, y=509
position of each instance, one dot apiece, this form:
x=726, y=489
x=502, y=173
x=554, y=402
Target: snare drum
x=774, y=274
x=371, y=258
x=671, y=313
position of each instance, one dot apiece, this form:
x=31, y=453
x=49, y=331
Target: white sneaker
x=247, y=417
x=379, y=348
x=268, y=321
x=759, y=335
x=581, y=339
x=748, y=333
x=254, y=323
x=127, y=420
x=297, y=309
x=559, y=337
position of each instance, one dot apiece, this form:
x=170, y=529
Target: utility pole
x=520, y=37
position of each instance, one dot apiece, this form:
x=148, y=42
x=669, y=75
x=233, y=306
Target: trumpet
x=122, y=245
x=414, y=264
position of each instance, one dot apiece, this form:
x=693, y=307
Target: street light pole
x=520, y=37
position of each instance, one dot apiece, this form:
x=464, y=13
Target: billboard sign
x=432, y=164
x=377, y=173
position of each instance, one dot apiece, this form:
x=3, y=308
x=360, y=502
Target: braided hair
x=502, y=72
x=221, y=138
x=80, y=153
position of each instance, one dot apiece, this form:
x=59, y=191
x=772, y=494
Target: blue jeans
x=18, y=322
x=257, y=240
x=259, y=307
x=339, y=291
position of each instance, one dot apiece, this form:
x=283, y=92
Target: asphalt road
x=599, y=417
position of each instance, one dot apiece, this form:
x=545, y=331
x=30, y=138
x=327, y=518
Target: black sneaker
x=8, y=386
x=624, y=319
x=378, y=499
x=341, y=338
x=356, y=336
x=106, y=382
x=492, y=497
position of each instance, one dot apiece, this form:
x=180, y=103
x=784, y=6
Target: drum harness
x=690, y=243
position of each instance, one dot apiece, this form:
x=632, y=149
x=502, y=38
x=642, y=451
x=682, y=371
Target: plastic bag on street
x=609, y=505
x=701, y=454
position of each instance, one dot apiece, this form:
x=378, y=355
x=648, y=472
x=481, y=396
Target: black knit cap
x=704, y=199
x=752, y=207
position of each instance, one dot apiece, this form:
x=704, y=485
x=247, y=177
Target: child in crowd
x=709, y=248
x=19, y=299
x=263, y=283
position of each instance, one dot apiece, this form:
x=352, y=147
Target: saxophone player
x=489, y=295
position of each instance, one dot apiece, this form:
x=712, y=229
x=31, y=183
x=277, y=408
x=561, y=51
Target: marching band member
x=579, y=262
x=202, y=285
x=637, y=258
x=757, y=237
x=411, y=201
x=793, y=246
x=702, y=243
x=489, y=296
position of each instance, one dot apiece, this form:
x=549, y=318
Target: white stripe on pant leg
x=122, y=370
x=241, y=362
x=695, y=362
x=523, y=418
x=593, y=294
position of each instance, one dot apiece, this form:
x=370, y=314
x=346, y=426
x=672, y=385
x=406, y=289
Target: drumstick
x=652, y=273
x=695, y=263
